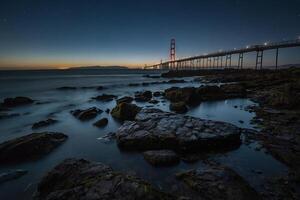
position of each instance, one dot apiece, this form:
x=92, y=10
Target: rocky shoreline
x=169, y=138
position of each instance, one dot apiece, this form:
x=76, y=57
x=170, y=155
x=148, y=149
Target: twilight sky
x=63, y=33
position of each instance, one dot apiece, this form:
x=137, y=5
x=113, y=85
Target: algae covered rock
x=125, y=111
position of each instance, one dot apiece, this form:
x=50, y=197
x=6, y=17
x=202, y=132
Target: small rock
x=102, y=122
x=86, y=114
x=44, y=123
x=105, y=97
x=107, y=110
x=241, y=121
x=154, y=101
x=11, y=175
x=125, y=99
x=17, y=101
x=66, y=88
x=125, y=111
x=178, y=107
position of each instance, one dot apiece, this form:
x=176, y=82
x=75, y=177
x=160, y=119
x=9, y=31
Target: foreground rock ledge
x=30, y=147
x=155, y=129
x=81, y=179
x=217, y=182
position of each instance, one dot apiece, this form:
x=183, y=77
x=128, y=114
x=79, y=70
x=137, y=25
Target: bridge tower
x=172, y=53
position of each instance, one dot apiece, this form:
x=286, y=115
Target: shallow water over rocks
x=249, y=160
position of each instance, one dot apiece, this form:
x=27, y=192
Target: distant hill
x=99, y=67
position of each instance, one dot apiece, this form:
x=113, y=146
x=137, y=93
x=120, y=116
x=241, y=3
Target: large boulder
x=125, y=111
x=86, y=114
x=30, y=147
x=17, y=101
x=217, y=182
x=161, y=157
x=155, y=129
x=81, y=179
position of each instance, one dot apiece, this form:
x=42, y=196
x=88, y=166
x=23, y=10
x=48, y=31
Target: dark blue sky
x=59, y=33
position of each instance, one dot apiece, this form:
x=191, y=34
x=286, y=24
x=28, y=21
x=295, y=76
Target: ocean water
x=83, y=139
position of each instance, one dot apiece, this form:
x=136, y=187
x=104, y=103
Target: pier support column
x=241, y=60
x=276, y=59
x=228, y=59
x=259, y=59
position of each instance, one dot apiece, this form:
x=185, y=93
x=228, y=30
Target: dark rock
x=241, y=121
x=17, y=101
x=157, y=94
x=44, y=123
x=102, y=122
x=153, y=101
x=178, y=107
x=133, y=84
x=125, y=99
x=161, y=157
x=86, y=114
x=176, y=81
x=155, y=129
x=125, y=111
x=66, y=88
x=151, y=76
x=145, y=84
x=100, y=87
x=143, y=96
x=11, y=175
x=105, y=97
x=6, y=115
x=107, y=110
x=29, y=147
x=81, y=179
x=217, y=182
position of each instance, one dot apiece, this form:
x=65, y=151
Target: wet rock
x=66, y=88
x=176, y=81
x=86, y=114
x=102, y=122
x=125, y=111
x=234, y=90
x=217, y=182
x=100, y=87
x=161, y=157
x=81, y=179
x=7, y=115
x=153, y=101
x=44, y=123
x=17, y=101
x=187, y=95
x=178, y=107
x=133, y=84
x=107, y=110
x=191, y=95
x=125, y=99
x=30, y=147
x=105, y=97
x=143, y=96
x=157, y=94
x=11, y=175
x=155, y=129
x=151, y=76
